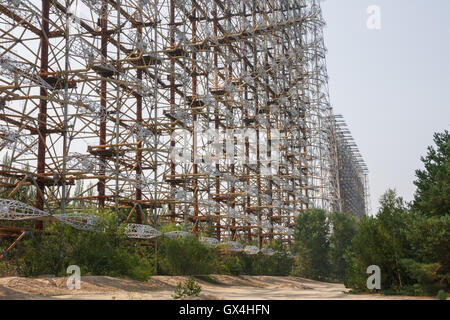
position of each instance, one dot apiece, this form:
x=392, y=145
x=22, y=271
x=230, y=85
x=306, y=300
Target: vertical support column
x=42, y=117
x=247, y=153
x=269, y=135
x=247, y=172
x=194, y=118
x=139, y=143
x=216, y=115
x=232, y=165
x=304, y=84
x=258, y=159
x=103, y=95
x=172, y=102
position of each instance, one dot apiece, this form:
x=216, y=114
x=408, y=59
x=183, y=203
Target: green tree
x=410, y=246
x=343, y=229
x=312, y=244
x=429, y=231
x=381, y=241
x=429, y=260
x=186, y=256
x=362, y=253
x=392, y=226
x=432, y=197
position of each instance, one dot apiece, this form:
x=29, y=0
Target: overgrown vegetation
x=187, y=289
x=442, y=295
x=102, y=253
x=188, y=256
x=112, y=254
x=320, y=244
x=410, y=243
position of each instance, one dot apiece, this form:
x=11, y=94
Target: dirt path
x=215, y=287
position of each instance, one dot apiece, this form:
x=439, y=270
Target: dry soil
x=216, y=287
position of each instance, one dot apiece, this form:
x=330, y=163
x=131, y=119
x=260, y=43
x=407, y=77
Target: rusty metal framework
x=353, y=172
x=146, y=105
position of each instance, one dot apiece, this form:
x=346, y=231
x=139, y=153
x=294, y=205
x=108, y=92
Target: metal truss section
x=353, y=173
x=210, y=114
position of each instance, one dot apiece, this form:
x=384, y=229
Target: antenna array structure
x=211, y=114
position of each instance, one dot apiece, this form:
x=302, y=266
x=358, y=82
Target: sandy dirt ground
x=216, y=287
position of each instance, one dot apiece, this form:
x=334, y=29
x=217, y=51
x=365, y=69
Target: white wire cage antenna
x=139, y=181
x=79, y=47
x=16, y=141
x=145, y=135
x=252, y=250
x=93, y=57
x=266, y=224
x=15, y=70
x=233, y=246
x=89, y=107
x=94, y=5
x=210, y=170
x=182, y=196
x=16, y=210
x=207, y=203
x=24, y=9
x=231, y=213
x=81, y=221
x=210, y=242
x=141, y=231
x=84, y=163
x=88, y=164
x=268, y=251
x=177, y=234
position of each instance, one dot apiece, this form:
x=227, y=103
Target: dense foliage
x=102, y=253
x=110, y=253
x=409, y=243
x=320, y=243
x=432, y=196
x=343, y=230
x=312, y=244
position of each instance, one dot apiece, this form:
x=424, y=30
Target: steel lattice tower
x=100, y=99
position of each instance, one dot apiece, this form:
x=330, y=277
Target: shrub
x=380, y=241
x=343, y=230
x=186, y=256
x=232, y=264
x=409, y=247
x=426, y=274
x=187, y=289
x=102, y=253
x=312, y=244
x=441, y=295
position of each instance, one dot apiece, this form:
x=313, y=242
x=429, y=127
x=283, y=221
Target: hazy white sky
x=391, y=85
